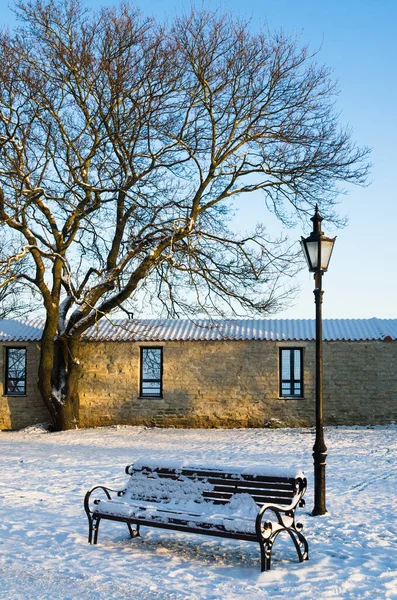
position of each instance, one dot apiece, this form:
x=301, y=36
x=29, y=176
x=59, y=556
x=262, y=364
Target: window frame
x=142, y=394
x=291, y=379
x=6, y=376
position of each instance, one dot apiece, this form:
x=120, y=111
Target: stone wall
x=17, y=412
x=360, y=383
x=236, y=384
x=205, y=384
x=219, y=384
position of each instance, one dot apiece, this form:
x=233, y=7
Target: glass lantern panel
x=326, y=250
x=312, y=249
x=304, y=250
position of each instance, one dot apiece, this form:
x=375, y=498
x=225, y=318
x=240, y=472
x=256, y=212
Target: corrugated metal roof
x=162, y=330
x=21, y=331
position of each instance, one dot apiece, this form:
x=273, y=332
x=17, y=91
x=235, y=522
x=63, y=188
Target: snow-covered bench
x=254, y=504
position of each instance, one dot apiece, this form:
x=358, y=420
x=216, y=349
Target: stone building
x=245, y=373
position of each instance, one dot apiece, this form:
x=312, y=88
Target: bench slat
x=211, y=474
x=217, y=496
x=253, y=484
x=282, y=486
x=240, y=485
x=263, y=498
x=257, y=491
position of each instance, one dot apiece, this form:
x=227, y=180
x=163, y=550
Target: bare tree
x=124, y=148
x=15, y=302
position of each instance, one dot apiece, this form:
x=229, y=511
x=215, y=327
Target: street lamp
x=317, y=249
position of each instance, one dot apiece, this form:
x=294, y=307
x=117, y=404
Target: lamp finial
x=316, y=219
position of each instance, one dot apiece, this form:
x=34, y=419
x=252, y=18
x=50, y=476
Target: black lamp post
x=317, y=249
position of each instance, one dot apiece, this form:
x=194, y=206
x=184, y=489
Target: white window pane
x=151, y=363
x=285, y=364
x=297, y=364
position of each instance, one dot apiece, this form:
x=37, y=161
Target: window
x=152, y=372
x=15, y=384
x=291, y=372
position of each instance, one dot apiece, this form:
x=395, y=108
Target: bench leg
x=266, y=554
x=89, y=530
x=133, y=532
x=95, y=527
x=266, y=546
x=300, y=543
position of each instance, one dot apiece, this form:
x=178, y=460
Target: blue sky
x=357, y=41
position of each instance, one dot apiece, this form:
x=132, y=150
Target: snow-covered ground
x=43, y=529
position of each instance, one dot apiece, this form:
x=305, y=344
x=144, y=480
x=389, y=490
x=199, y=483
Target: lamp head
x=317, y=248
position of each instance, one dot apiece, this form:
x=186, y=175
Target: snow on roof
x=162, y=330
x=21, y=331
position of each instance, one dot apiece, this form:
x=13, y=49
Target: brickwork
x=206, y=384
x=236, y=384
x=220, y=384
x=17, y=412
x=360, y=383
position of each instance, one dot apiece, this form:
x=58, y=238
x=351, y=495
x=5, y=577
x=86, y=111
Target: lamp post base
x=319, y=483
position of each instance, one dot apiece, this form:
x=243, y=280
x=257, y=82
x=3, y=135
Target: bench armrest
x=108, y=493
x=285, y=515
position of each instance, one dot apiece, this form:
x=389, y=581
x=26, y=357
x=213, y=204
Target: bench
x=254, y=504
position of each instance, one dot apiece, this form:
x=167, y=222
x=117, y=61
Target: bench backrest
x=218, y=486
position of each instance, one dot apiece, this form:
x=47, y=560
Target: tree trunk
x=46, y=368
x=68, y=375
x=69, y=410
x=59, y=372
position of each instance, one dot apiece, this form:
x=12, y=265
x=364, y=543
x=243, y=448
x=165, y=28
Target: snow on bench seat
x=237, y=516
